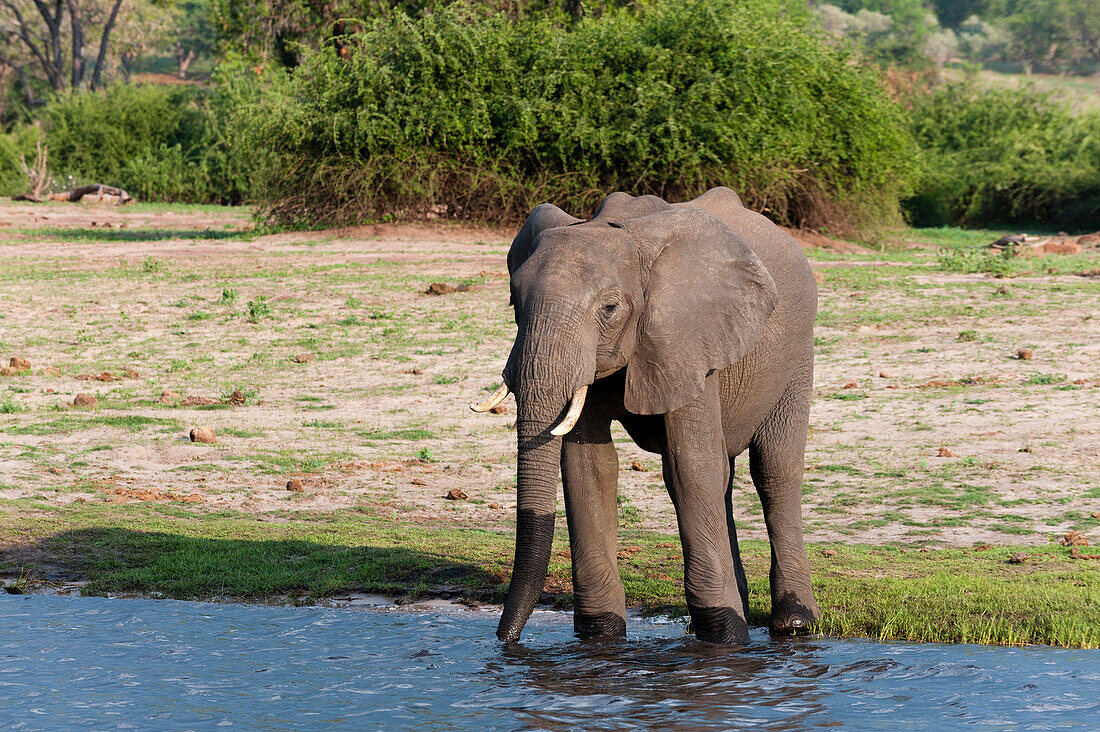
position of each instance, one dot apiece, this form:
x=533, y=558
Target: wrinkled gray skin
x=693, y=324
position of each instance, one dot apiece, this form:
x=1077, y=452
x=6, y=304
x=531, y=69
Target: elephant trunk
x=537, y=486
x=544, y=371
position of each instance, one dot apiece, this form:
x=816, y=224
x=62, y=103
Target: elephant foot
x=600, y=625
x=722, y=625
x=791, y=616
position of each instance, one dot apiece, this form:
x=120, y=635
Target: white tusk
x=498, y=396
x=574, y=413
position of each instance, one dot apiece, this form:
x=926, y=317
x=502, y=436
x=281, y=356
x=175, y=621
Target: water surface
x=158, y=664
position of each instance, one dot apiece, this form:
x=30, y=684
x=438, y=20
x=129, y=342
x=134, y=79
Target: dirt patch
x=815, y=240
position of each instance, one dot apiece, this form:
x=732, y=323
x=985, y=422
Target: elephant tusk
x=574, y=413
x=498, y=396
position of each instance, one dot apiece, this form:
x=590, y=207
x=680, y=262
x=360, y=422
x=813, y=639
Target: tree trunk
x=104, y=40
x=76, y=22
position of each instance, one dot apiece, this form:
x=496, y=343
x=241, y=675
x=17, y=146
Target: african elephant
x=691, y=324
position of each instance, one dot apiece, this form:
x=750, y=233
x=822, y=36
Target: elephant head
x=668, y=293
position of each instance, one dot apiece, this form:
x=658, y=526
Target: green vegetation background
x=469, y=112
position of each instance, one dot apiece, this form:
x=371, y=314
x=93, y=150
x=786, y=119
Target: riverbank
x=321, y=363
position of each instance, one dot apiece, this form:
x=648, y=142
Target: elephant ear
x=544, y=216
x=707, y=304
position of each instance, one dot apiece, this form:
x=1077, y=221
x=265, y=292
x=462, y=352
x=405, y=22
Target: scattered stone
x=102, y=376
x=203, y=434
x=983, y=547
x=456, y=494
x=196, y=401
x=131, y=374
x=84, y=401
x=828, y=552
x=1018, y=558
x=20, y=364
x=1075, y=553
x=1080, y=382
x=1025, y=448
x=295, y=486
x=418, y=481
x=945, y=453
x=236, y=398
x=1089, y=273
x=304, y=358
x=1095, y=515
x=819, y=276
x=885, y=375
x=850, y=385
x=168, y=397
x=1056, y=245
x=1073, y=538
x=636, y=465
x=1024, y=354
x=495, y=505
x=414, y=372
x=499, y=409
x=8, y=371
x=51, y=391
x=442, y=288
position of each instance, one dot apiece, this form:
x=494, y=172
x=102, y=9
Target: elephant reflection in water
x=691, y=324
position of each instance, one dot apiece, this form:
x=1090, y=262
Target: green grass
x=952, y=595
x=134, y=235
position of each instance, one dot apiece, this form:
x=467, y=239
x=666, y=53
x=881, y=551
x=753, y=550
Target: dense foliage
x=469, y=112
x=1009, y=156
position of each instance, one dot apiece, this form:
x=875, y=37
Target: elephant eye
x=609, y=309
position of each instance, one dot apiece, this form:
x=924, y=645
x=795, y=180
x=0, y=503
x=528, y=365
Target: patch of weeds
x=229, y=296
x=322, y=424
x=973, y=261
x=353, y=302
x=966, y=336
x=258, y=309
x=235, y=432
x=1045, y=379
x=445, y=379
x=200, y=315
x=9, y=407
x=629, y=515
x=350, y=320
x=848, y=395
x=152, y=265
x=425, y=455
x=178, y=364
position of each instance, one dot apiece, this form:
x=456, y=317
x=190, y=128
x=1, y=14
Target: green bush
x=162, y=143
x=466, y=112
x=1005, y=157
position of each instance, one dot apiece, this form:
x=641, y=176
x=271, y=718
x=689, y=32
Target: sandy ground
x=926, y=426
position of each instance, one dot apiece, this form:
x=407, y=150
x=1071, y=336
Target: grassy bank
x=951, y=595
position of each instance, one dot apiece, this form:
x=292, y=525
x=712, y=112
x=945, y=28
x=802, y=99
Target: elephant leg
x=696, y=469
x=590, y=474
x=735, y=550
x=776, y=457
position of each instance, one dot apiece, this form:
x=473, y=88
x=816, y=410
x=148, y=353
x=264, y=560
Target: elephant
x=690, y=324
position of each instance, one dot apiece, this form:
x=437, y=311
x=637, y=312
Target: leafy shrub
x=467, y=113
x=971, y=261
x=1004, y=157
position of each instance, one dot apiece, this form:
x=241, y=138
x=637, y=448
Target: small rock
x=1018, y=558
x=1080, y=382
x=1024, y=354
x=1073, y=538
x=8, y=371
x=131, y=374
x=295, y=486
x=494, y=505
x=51, y=391
x=21, y=364
x=456, y=494
x=638, y=467
x=983, y=547
x=105, y=376
x=945, y=453
x=828, y=552
x=203, y=434
x=236, y=398
x=84, y=401
x=304, y=358
x=499, y=409
x=1095, y=515
x=414, y=372
x=885, y=375
x=1025, y=448
x=418, y=481
x=168, y=397
x=850, y=385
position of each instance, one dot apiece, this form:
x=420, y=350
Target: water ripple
x=148, y=664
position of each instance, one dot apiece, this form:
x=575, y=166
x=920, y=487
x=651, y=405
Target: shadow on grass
x=135, y=235
x=123, y=560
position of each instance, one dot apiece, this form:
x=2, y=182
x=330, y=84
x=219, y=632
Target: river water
x=71, y=662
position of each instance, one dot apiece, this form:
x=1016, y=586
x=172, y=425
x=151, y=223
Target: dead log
x=98, y=190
